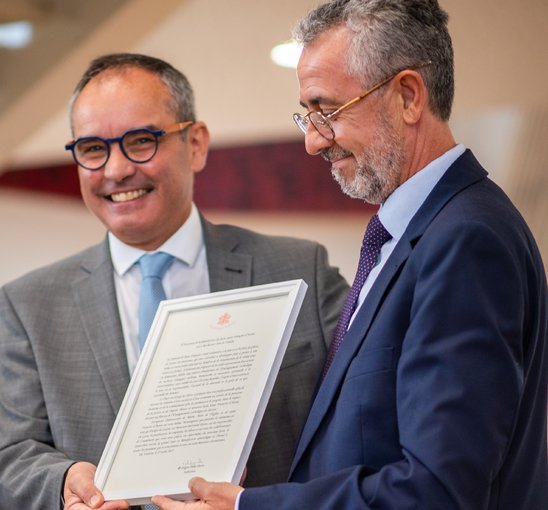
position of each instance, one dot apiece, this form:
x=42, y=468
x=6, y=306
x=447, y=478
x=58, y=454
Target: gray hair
x=389, y=36
x=182, y=95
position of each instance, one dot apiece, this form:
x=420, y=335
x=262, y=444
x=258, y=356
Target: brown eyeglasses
x=322, y=122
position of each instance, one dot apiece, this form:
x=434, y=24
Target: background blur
x=258, y=173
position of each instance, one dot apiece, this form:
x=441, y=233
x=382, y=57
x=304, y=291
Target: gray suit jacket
x=63, y=367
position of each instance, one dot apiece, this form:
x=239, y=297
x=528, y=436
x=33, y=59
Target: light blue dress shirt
x=187, y=276
x=400, y=207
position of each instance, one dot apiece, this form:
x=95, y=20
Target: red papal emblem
x=224, y=319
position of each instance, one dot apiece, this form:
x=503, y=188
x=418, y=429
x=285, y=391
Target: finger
x=199, y=487
x=115, y=505
x=109, y=505
x=217, y=495
x=79, y=486
x=165, y=503
x=76, y=503
x=161, y=502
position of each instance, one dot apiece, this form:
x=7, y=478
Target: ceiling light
x=286, y=54
x=15, y=35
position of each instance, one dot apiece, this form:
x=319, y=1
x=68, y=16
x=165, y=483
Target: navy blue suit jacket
x=437, y=398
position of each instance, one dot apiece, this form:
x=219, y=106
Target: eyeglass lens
x=138, y=146
x=320, y=123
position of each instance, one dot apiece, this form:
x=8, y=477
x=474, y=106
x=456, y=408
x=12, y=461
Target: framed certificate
x=199, y=391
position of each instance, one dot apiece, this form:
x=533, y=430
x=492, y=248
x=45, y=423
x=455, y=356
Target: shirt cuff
x=237, y=502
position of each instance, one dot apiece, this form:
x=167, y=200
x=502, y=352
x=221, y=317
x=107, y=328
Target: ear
x=413, y=94
x=198, y=145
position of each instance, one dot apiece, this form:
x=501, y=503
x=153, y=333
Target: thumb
x=79, y=485
x=198, y=486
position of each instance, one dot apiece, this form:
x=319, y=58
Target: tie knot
x=155, y=265
x=375, y=235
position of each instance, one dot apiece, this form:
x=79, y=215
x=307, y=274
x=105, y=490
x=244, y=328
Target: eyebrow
x=150, y=127
x=317, y=101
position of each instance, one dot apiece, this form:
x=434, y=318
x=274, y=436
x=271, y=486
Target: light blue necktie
x=153, y=268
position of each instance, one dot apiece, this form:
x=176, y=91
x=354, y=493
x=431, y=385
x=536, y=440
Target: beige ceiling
x=223, y=46
x=59, y=25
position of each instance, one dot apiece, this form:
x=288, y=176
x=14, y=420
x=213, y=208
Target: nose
x=314, y=143
x=118, y=167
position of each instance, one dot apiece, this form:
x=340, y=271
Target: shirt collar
x=400, y=207
x=184, y=245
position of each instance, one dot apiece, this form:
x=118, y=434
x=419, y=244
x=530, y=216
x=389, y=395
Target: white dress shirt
x=187, y=276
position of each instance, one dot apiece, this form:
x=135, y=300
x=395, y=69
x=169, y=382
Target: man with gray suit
x=69, y=332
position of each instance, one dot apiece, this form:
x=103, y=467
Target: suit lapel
x=353, y=340
x=227, y=268
x=95, y=299
x=464, y=172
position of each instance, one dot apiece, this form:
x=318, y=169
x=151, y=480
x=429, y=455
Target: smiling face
x=367, y=154
x=142, y=204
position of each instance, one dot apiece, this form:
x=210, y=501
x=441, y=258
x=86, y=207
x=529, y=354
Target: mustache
x=334, y=153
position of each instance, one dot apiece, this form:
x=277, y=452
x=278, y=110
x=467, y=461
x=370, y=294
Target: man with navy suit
x=436, y=396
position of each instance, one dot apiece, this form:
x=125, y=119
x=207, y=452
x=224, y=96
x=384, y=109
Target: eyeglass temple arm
x=378, y=86
x=359, y=98
x=179, y=126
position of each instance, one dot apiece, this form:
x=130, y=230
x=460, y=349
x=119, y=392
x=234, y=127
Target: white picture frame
x=199, y=391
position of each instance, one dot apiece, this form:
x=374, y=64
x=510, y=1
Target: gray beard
x=365, y=186
x=378, y=169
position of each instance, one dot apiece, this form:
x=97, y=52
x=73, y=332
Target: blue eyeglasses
x=137, y=145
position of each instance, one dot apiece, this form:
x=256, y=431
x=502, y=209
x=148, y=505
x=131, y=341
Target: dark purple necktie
x=375, y=236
